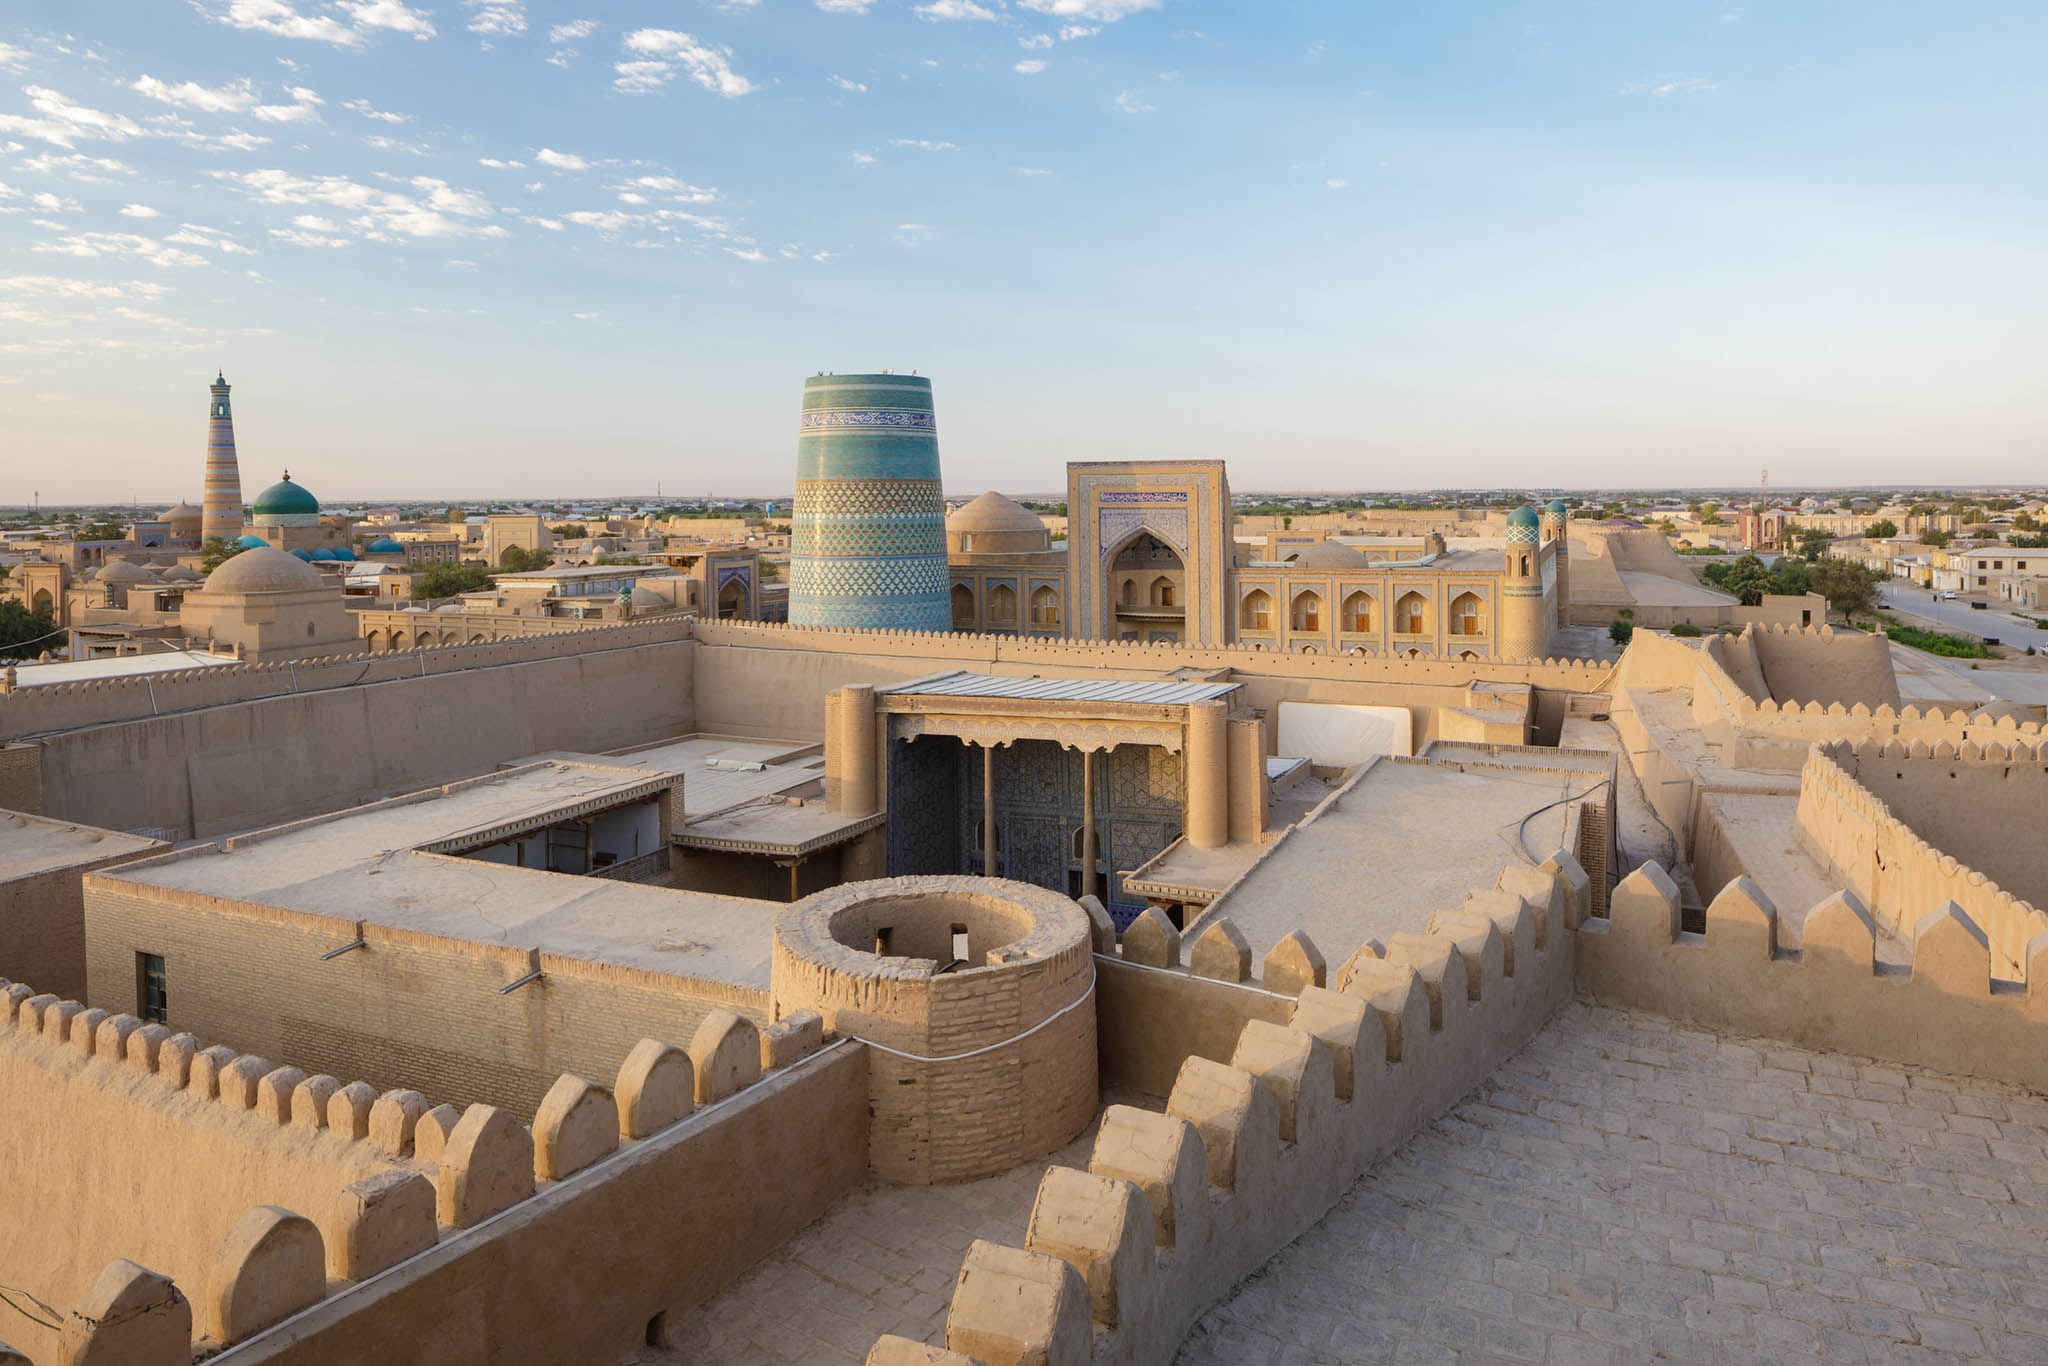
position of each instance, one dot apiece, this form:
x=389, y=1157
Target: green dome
x=285, y=498
x=1557, y=508
x=1522, y=516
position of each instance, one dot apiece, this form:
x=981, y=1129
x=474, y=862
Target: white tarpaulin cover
x=1340, y=736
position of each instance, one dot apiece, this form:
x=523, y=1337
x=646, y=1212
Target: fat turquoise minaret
x=867, y=544
x=221, y=516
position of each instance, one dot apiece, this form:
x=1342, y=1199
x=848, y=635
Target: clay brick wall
x=42, y=926
x=222, y=768
x=1174, y=1209
x=106, y=1156
x=1892, y=866
x=410, y=1010
x=1830, y=993
x=577, y=1273
x=21, y=778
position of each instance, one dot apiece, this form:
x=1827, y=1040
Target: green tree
x=454, y=515
x=1747, y=578
x=103, y=529
x=215, y=552
x=1849, y=588
x=1620, y=632
x=24, y=634
x=1882, y=529
x=572, y=531
x=614, y=559
x=1814, y=543
x=1936, y=537
x=2025, y=521
x=446, y=580
x=516, y=560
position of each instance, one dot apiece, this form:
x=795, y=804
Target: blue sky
x=524, y=247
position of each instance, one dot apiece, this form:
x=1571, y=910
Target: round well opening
x=946, y=927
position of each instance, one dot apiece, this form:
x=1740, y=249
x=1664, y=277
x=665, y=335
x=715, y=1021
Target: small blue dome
x=323, y=553
x=303, y=555
x=384, y=545
x=285, y=498
x=345, y=555
x=1557, y=509
x=247, y=542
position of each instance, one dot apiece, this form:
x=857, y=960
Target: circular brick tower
x=978, y=996
x=222, y=518
x=867, y=545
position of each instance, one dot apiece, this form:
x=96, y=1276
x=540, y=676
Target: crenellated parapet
x=390, y=1176
x=1175, y=1208
x=1950, y=1008
x=1892, y=867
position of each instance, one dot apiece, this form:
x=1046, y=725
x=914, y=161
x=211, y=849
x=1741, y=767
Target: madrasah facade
x=856, y=990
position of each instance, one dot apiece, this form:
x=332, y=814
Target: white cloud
x=939, y=11
x=1338, y=184
x=1128, y=102
x=193, y=235
x=736, y=6
x=1102, y=11
x=1032, y=170
x=1069, y=32
x=748, y=253
x=707, y=64
x=138, y=211
x=498, y=165
x=395, y=15
x=46, y=202
x=574, y=29
x=606, y=222
x=844, y=84
x=681, y=191
x=241, y=142
x=844, y=6
x=299, y=237
x=232, y=98
x=1688, y=85
x=640, y=78
x=1035, y=40
x=280, y=18
x=913, y=227
x=304, y=108
x=364, y=108
x=57, y=286
x=551, y=224
x=77, y=165
x=121, y=244
x=59, y=122
x=586, y=317
x=438, y=210
x=1031, y=67
x=13, y=58
x=632, y=197
x=862, y=158
x=561, y=161
x=924, y=144
x=507, y=17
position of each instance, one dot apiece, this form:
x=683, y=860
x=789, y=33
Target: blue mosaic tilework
x=868, y=529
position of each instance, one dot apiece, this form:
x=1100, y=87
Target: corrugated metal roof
x=960, y=683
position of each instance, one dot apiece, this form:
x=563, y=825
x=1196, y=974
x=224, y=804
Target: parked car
x=1948, y=595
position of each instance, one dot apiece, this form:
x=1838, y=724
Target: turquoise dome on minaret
x=1522, y=524
x=1556, y=509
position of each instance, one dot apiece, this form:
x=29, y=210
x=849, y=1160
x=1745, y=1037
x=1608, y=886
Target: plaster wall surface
x=578, y=1273
x=1984, y=812
x=255, y=763
x=102, y=1160
x=1846, y=667
x=42, y=907
x=414, y=1010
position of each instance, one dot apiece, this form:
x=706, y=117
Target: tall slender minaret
x=223, y=501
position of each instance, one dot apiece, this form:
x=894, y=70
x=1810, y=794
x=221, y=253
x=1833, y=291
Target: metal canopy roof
x=960, y=683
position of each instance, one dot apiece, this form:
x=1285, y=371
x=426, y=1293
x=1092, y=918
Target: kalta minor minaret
x=223, y=502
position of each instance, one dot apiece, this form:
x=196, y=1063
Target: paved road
x=1958, y=615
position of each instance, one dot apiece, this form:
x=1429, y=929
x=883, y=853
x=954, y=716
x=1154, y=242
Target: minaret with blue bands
x=221, y=515
x=867, y=545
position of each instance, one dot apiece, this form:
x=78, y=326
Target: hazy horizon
x=502, y=242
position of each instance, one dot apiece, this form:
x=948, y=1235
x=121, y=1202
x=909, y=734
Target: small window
x=152, y=996
x=882, y=936
x=960, y=943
